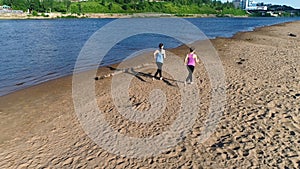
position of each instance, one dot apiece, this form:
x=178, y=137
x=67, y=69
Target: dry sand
x=55, y=15
x=260, y=127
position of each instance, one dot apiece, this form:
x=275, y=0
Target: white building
x=252, y=5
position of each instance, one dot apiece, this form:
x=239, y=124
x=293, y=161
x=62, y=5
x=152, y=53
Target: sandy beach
x=54, y=15
x=259, y=127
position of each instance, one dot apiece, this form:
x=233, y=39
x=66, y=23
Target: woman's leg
x=159, y=69
x=190, y=76
x=156, y=73
x=192, y=71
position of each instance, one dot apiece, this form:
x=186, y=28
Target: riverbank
x=259, y=128
x=105, y=15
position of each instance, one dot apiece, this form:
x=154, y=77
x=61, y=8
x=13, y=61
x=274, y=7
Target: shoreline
x=8, y=16
x=40, y=128
x=109, y=72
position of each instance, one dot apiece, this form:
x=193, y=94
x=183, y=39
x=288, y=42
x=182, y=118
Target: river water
x=35, y=51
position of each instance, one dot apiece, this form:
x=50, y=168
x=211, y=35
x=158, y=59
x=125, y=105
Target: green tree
x=103, y=2
x=8, y=2
x=60, y=7
x=97, y=6
x=79, y=8
x=110, y=5
x=47, y=5
x=18, y=4
x=67, y=4
x=34, y=5
x=126, y=7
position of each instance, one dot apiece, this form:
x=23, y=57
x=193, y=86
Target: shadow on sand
x=141, y=76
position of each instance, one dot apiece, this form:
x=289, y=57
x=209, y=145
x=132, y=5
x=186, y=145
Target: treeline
x=39, y=5
x=126, y=6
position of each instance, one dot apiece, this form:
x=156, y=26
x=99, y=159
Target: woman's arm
x=196, y=58
x=186, y=59
x=164, y=53
x=154, y=54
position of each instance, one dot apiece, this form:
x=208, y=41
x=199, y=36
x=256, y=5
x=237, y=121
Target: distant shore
x=104, y=15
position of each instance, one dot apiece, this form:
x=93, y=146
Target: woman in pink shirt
x=190, y=61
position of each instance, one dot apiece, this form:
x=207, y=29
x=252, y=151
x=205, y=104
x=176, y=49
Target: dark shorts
x=159, y=65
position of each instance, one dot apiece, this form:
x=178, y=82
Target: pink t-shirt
x=191, y=60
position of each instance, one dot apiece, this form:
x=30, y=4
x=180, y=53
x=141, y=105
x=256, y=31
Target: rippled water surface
x=35, y=51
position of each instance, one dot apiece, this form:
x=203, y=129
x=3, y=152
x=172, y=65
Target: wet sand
x=259, y=128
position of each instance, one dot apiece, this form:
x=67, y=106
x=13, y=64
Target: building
x=242, y=4
x=5, y=7
x=237, y=3
x=251, y=5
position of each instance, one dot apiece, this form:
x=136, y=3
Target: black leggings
x=191, y=70
x=159, y=68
